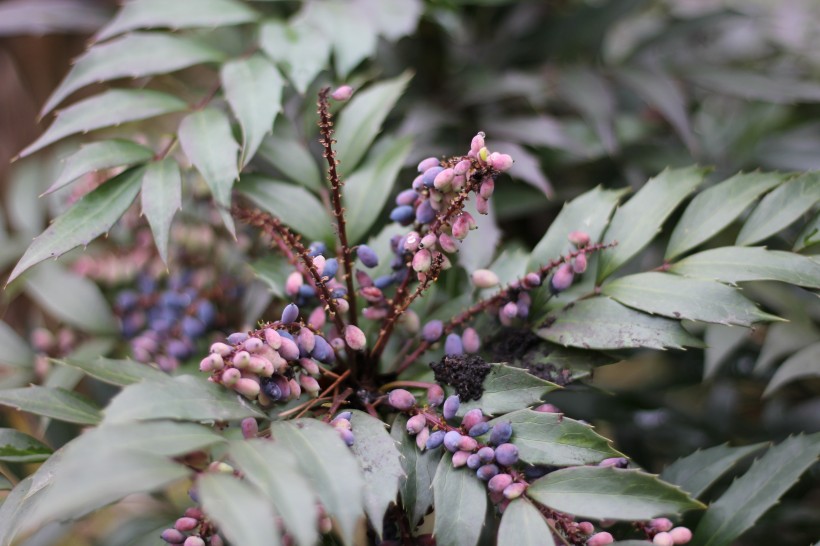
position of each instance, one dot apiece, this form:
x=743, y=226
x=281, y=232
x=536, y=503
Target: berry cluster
x=193, y=529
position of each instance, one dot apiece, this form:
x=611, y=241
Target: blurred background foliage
x=581, y=93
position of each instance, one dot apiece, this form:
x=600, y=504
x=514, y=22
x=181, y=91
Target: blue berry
x=451, y=406
x=429, y=176
x=322, y=351
x=330, y=268
x=192, y=327
x=506, y=454
x=316, y=248
x=270, y=388
x=435, y=439
x=453, y=345
x=486, y=454
x=337, y=293
x=425, y=213
x=502, y=432
x=473, y=462
x=306, y=291
x=290, y=313
x=383, y=282
x=367, y=255
x=127, y=300
x=451, y=441
x=237, y=337
x=432, y=331
x=486, y=472
x=347, y=436
x=404, y=215
x=347, y=415
x=479, y=429
x=206, y=312
x=407, y=197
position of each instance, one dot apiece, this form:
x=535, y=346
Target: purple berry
x=502, y=432
x=401, y=399
x=428, y=178
x=237, y=337
x=428, y=163
x=453, y=345
x=416, y=424
x=172, y=536
x=561, y=279
x=432, y=331
x=479, y=429
x=435, y=439
x=367, y=256
x=486, y=472
x=451, y=441
x=471, y=418
x=506, y=454
x=250, y=428
x=316, y=248
x=289, y=349
x=473, y=462
x=322, y=351
x=451, y=406
x=499, y=483
x=290, y=313
x=407, y=197
x=194, y=541
x=330, y=268
x=403, y=214
x=617, y=462
x=425, y=213
x=467, y=444
x=435, y=395
x=486, y=454
x=347, y=436
x=579, y=264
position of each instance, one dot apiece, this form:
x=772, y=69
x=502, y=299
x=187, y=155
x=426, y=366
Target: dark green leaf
x=244, y=515
x=286, y=152
x=293, y=205
x=98, y=156
x=161, y=198
x=380, y=463
x=361, y=120
x=804, y=363
x=60, y=404
x=16, y=352
x=523, y=525
x=298, y=48
x=419, y=467
x=636, y=223
x=508, y=389
x=717, y=207
x=738, y=264
x=460, y=504
x=601, y=323
x=751, y=495
x=695, y=473
x=780, y=208
x=104, y=110
x=551, y=438
x=185, y=398
x=253, y=88
x=135, y=55
x=177, y=14
x=90, y=217
x=367, y=189
x=73, y=299
x=809, y=236
x=588, y=492
x=114, y=372
x=682, y=298
x=16, y=447
x=325, y=459
x=275, y=471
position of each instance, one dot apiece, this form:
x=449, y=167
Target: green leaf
x=367, y=190
x=751, y=495
x=177, y=14
x=508, y=389
x=721, y=341
x=804, y=363
x=782, y=340
x=523, y=525
x=114, y=372
x=286, y=152
x=734, y=264
x=161, y=198
x=185, y=398
x=588, y=212
x=601, y=323
x=135, y=55
x=325, y=459
x=298, y=48
x=695, y=473
x=253, y=88
x=755, y=85
x=420, y=468
x=97, y=156
x=361, y=120
x=780, y=208
x=394, y=19
x=13, y=509
x=58, y=403
x=16, y=352
x=73, y=299
x=380, y=463
x=349, y=28
x=589, y=491
x=294, y=206
x=90, y=217
x=636, y=223
x=273, y=270
x=242, y=513
x=104, y=110
x=552, y=439
x=275, y=471
x=717, y=207
x=809, y=236
x=682, y=298
x=16, y=447
x=5, y=485
x=460, y=504
x=589, y=93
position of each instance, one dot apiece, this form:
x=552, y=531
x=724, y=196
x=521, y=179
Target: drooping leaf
x=161, y=198
x=781, y=208
x=523, y=525
x=592, y=96
x=380, y=463
x=298, y=48
x=177, y=14
x=253, y=88
x=362, y=118
x=327, y=462
x=636, y=223
x=589, y=212
x=16, y=352
x=507, y=389
x=114, y=372
x=97, y=156
x=784, y=339
x=420, y=469
x=804, y=363
x=104, y=110
x=275, y=471
x=681, y=298
x=184, y=398
x=134, y=55
x=16, y=447
x=460, y=505
x=552, y=439
x=90, y=217
x=57, y=403
x=717, y=207
x=367, y=189
x=721, y=341
x=286, y=152
x=589, y=492
x=809, y=236
x=695, y=473
x=751, y=495
x=294, y=206
x=602, y=323
x=241, y=511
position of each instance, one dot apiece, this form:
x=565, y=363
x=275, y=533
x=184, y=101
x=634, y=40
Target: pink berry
x=600, y=539
x=514, y=490
x=663, y=539
x=401, y=399
x=578, y=238
x=355, y=338
x=579, y=264
x=470, y=341
x=435, y=395
x=680, y=535
x=342, y=93
x=422, y=261
x=250, y=428
x=561, y=279
x=661, y=524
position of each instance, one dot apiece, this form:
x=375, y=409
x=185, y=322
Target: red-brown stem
x=324, y=393
x=337, y=401
x=412, y=384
